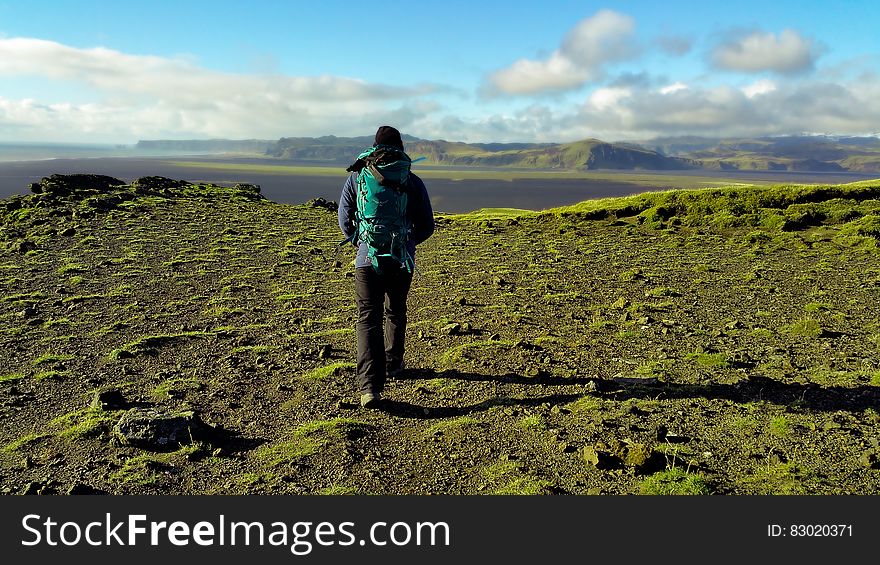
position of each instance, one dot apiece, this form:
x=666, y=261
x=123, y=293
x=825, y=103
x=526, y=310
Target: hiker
x=385, y=211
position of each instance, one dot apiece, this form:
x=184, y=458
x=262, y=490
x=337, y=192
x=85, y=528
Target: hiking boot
x=370, y=399
x=392, y=372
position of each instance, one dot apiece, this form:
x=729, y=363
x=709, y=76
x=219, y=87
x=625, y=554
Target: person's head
x=387, y=135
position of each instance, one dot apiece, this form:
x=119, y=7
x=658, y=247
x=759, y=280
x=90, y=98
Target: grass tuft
x=311, y=437
x=8, y=377
x=674, y=482
x=332, y=370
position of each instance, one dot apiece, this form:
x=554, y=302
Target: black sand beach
x=450, y=196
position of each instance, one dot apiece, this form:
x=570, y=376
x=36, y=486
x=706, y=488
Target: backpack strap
x=356, y=166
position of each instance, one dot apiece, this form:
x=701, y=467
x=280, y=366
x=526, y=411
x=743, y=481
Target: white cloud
x=641, y=111
x=592, y=44
x=114, y=71
x=759, y=87
x=763, y=108
x=788, y=52
x=146, y=96
x=608, y=98
x=531, y=77
x=674, y=87
x=130, y=97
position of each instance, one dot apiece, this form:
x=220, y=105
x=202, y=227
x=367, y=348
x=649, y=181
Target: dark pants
x=380, y=347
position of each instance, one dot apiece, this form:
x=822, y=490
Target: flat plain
x=453, y=190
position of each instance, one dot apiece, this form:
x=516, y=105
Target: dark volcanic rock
x=248, y=187
x=65, y=185
x=322, y=203
x=324, y=351
x=870, y=459
x=82, y=489
x=644, y=459
x=661, y=431
x=109, y=202
x=111, y=399
x=159, y=430
x=40, y=488
x=599, y=458
x=32, y=488
x=248, y=191
x=639, y=456
x=157, y=183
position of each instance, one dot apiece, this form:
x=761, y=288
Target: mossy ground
x=735, y=331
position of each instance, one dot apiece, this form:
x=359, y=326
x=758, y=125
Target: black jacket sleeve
x=420, y=212
x=347, y=208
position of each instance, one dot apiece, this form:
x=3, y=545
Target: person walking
x=386, y=212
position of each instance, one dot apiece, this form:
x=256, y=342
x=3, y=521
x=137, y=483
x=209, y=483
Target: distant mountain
x=510, y=146
x=587, y=154
x=257, y=146
x=338, y=150
x=788, y=153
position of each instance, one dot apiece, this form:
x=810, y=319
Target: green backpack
x=381, y=192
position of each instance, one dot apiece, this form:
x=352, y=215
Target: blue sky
x=473, y=71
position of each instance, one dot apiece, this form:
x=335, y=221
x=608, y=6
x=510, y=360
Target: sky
x=86, y=71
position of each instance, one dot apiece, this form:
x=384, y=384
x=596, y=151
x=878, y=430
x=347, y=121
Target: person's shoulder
x=416, y=180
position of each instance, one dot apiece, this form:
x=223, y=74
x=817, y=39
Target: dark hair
x=387, y=135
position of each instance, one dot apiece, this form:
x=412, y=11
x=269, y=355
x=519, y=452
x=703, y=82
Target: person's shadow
x=811, y=397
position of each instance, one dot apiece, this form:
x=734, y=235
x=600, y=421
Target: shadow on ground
x=753, y=389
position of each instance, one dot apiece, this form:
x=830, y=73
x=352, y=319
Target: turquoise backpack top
x=380, y=220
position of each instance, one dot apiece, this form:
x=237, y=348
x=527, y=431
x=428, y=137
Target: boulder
x=323, y=203
x=110, y=399
x=108, y=201
x=159, y=430
x=80, y=489
x=66, y=185
x=248, y=187
x=26, y=246
x=643, y=459
x=599, y=458
x=156, y=183
x=869, y=459
x=28, y=312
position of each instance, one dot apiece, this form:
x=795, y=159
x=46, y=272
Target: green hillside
x=721, y=341
x=329, y=148
x=787, y=153
x=792, y=153
x=581, y=155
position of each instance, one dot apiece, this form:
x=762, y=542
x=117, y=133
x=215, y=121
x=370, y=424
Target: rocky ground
x=169, y=338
